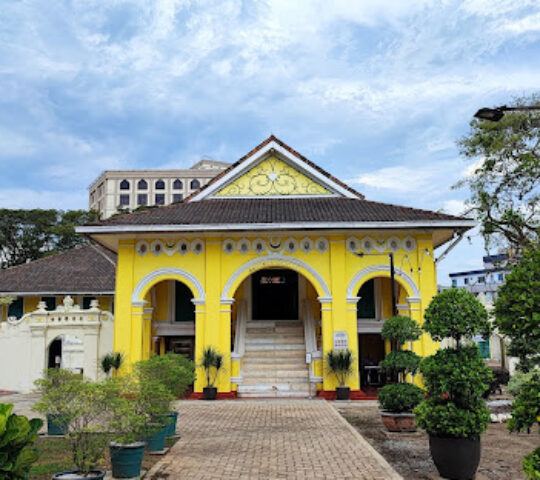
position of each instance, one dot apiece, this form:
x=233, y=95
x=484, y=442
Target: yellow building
x=274, y=263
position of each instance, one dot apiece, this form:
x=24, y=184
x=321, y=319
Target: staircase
x=274, y=360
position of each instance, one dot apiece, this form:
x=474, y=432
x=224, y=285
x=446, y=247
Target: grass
x=55, y=456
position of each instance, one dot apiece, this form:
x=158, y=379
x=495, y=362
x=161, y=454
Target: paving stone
x=268, y=439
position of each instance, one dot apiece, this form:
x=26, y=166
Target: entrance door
x=275, y=295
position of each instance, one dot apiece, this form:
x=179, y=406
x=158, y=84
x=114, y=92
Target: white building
x=116, y=190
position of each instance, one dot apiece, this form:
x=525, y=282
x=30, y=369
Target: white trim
x=102, y=229
x=415, y=299
x=168, y=271
x=258, y=156
x=386, y=269
x=269, y=259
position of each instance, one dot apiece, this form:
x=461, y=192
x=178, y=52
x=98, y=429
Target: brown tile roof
x=276, y=210
x=81, y=270
x=272, y=138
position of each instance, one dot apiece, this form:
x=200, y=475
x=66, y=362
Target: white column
x=91, y=352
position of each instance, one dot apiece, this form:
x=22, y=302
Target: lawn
x=408, y=453
x=55, y=457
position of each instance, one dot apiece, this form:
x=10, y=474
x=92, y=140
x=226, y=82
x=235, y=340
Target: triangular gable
x=273, y=169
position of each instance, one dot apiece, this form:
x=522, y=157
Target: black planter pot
x=343, y=393
x=455, y=458
x=74, y=474
x=210, y=393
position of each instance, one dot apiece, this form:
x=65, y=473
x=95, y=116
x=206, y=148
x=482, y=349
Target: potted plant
x=398, y=399
x=83, y=403
x=111, y=362
x=339, y=362
x=55, y=384
x=453, y=414
x=17, y=437
x=175, y=372
x=211, y=360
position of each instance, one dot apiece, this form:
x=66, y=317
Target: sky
x=377, y=93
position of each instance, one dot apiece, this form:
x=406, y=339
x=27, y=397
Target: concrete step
x=270, y=387
x=258, y=366
x=274, y=394
x=257, y=347
x=273, y=354
x=273, y=323
x=276, y=340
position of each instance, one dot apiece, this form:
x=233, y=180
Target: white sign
x=341, y=341
x=308, y=358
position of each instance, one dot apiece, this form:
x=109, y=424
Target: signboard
x=341, y=341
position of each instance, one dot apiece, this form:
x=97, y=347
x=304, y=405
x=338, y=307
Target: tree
x=31, y=234
x=505, y=187
x=517, y=310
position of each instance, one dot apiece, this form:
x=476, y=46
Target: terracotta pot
x=398, y=422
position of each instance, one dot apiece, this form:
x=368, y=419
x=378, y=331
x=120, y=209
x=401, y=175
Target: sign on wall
x=341, y=341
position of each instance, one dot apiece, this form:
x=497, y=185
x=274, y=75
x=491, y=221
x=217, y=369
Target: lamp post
x=495, y=114
x=392, y=275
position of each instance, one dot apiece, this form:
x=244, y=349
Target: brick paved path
x=268, y=439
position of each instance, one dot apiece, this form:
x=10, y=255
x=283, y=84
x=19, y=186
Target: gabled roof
x=270, y=145
x=85, y=270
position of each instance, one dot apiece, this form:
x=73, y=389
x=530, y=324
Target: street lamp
x=392, y=275
x=495, y=114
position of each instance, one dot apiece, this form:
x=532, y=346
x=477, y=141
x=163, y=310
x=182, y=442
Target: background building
x=116, y=190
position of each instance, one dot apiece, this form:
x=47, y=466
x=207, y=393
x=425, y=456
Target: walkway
x=268, y=439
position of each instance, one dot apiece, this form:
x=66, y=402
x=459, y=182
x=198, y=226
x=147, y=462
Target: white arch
x=383, y=268
x=149, y=278
x=280, y=258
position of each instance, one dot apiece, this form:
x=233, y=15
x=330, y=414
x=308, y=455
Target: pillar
x=91, y=353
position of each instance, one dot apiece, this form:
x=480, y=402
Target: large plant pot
x=155, y=442
x=126, y=459
x=343, y=393
x=169, y=419
x=398, y=422
x=55, y=424
x=210, y=393
x=76, y=475
x=455, y=458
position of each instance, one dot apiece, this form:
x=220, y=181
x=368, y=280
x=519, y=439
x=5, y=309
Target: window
x=160, y=185
x=93, y=196
x=454, y=282
x=50, y=302
x=482, y=279
x=15, y=308
x=184, y=307
x=365, y=308
x=466, y=281
x=177, y=197
x=142, y=185
x=124, y=200
x=483, y=346
x=160, y=199
x=500, y=277
x=142, y=199
x=86, y=302
x=195, y=184
x=124, y=185
x=177, y=184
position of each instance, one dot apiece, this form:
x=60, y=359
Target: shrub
x=399, y=362
x=516, y=382
x=400, y=397
x=111, y=362
x=526, y=406
x=456, y=313
x=501, y=376
x=531, y=465
x=17, y=436
x=399, y=329
x=173, y=371
x=339, y=362
x=211, y=360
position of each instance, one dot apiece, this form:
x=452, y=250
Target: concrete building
x=119, y=190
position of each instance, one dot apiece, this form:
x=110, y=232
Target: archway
x=275, y=323
x=66, y=351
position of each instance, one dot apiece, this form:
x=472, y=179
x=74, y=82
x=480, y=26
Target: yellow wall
x=212, y=269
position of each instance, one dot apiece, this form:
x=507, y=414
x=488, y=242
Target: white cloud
x=455, y=207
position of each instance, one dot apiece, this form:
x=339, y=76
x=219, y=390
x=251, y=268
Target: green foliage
x=82, y=405
x=517, y=381
x=400, y=397
x=111, y=362
x=504, y=188
x=32, y=234
x=440, y=417
x=400, y=362
x=339, y=363
x=17, y=437
x=211, y=360
x=456, y=313
x=531, y=465
x=526, y=406
x=174, y=371
x=517, y=310
x=400, y=329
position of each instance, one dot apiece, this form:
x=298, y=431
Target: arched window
x=124, y=185
x=160, y=185
x=195, y=184
x=177, y=184
x=142, y=185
